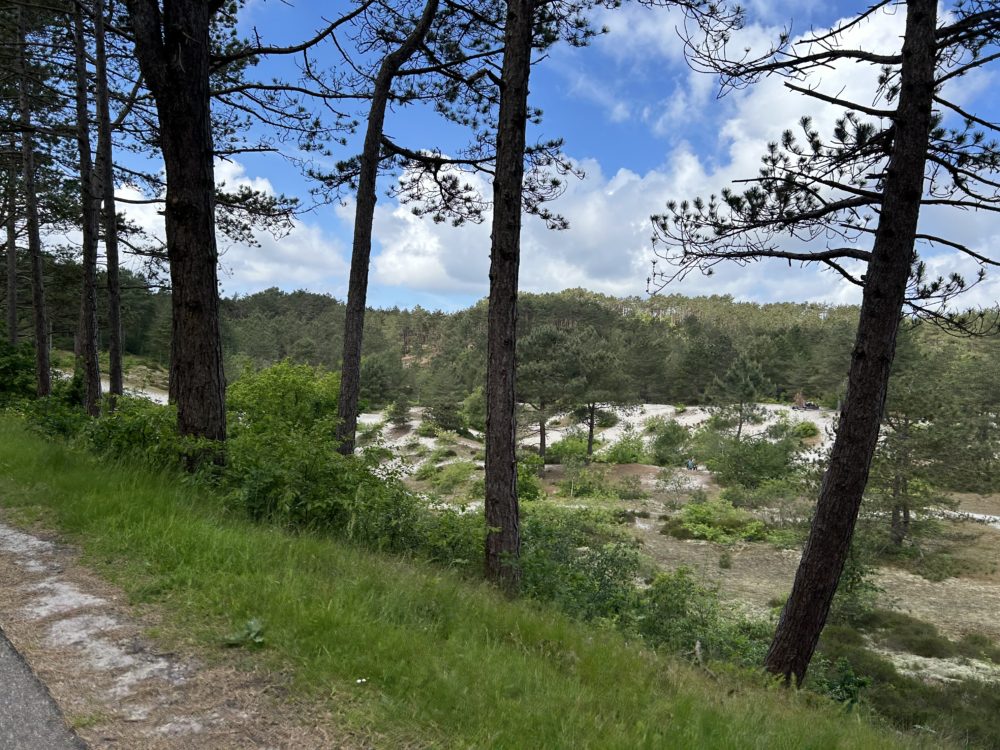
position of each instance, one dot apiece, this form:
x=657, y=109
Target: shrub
x=528, y=486
x=446, y=416
x=283, y=396
x=144, y=431
x=585, y=480
x=474, y=409
x=17, y=372
x=805, y=430
x=630, y=488
x=748, y=462
x=715, y=521
x=579, y=560
x=679, y=614
x=670, y=443
x=398, y=413
x=572, y=446
x=628, y=449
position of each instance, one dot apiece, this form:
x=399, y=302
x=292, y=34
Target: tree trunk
x=11, y=261
x=503, y=537
x=43, y=372
x=829, y=539
x=90, y=208
x=105, y=173
x=591, y=419
x=364, y=214
x=541, y=434
x=174, y=54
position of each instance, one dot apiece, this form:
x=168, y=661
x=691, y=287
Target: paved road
x=29, y=719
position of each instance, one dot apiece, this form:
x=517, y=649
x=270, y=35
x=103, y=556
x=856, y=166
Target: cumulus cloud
x=608, y=248
x=305, y=256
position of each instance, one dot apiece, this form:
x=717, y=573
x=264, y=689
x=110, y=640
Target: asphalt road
x=29, y=718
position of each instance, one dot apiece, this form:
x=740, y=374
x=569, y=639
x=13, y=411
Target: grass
x=964, y=711
x=448, y=663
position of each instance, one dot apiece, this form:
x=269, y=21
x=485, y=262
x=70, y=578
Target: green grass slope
x=448, y=663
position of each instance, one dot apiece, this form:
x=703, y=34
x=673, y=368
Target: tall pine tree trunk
x=90, y=207
x=11, y=225
x=40, y=317
x=591, y=419
x=829, y=539
x=364, y=214
x=174, y=53
x=105, y=173
x=503, y=536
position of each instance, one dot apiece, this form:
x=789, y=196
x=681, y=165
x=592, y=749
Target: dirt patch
x=982, y=504
x=112, y=682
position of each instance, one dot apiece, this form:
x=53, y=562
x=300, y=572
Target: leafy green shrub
x=839, y=682
x=528, y=486
x=450, y=477
x=716, y=521
x=398, y=413
x=681, y=615
x=53, y=416
x=579, y=560
x=630, y=488
x=446, y=416
x=770, y=493
x=427, y=429
x=585, y=480
x=474, y=409
x=283, y=396
x=144, y=431
x=572, y=446
x=805, y=430
x=670, y=443
x=747, y=462
x=17, y=372
x=628, y=449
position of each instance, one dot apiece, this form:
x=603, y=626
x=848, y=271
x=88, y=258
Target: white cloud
x=607, y=247
x=307, y=256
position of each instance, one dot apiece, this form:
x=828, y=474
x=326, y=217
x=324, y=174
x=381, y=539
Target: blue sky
x=643, y=126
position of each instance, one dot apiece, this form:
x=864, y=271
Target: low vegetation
x=446, y=662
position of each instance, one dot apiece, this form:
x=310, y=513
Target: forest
x=548, y=518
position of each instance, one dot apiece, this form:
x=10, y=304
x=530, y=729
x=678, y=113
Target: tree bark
x=105, y=173
x=174, y=54
x=11, y=224
x=826, y=549
x=591, y=419
x=503, y=536
x=40, y=318
x=541, y=434
x=364, y=214
x=90, y=208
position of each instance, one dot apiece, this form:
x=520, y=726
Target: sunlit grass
x=446, y=663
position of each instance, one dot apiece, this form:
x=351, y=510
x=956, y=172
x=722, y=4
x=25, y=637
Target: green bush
x=715, y=521
x=681, y=615
x=398, y=413
x=144, y=431
x=283, y=396
x=446, y=416
x=528, y=486
x=585, y=480
x=579, y=560
x=628, y=449
x=17, y=372
x=747, y=462
x=670, y=443
x=805, y=430
x=573, y=446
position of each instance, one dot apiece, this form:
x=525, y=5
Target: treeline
x=668, y=349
